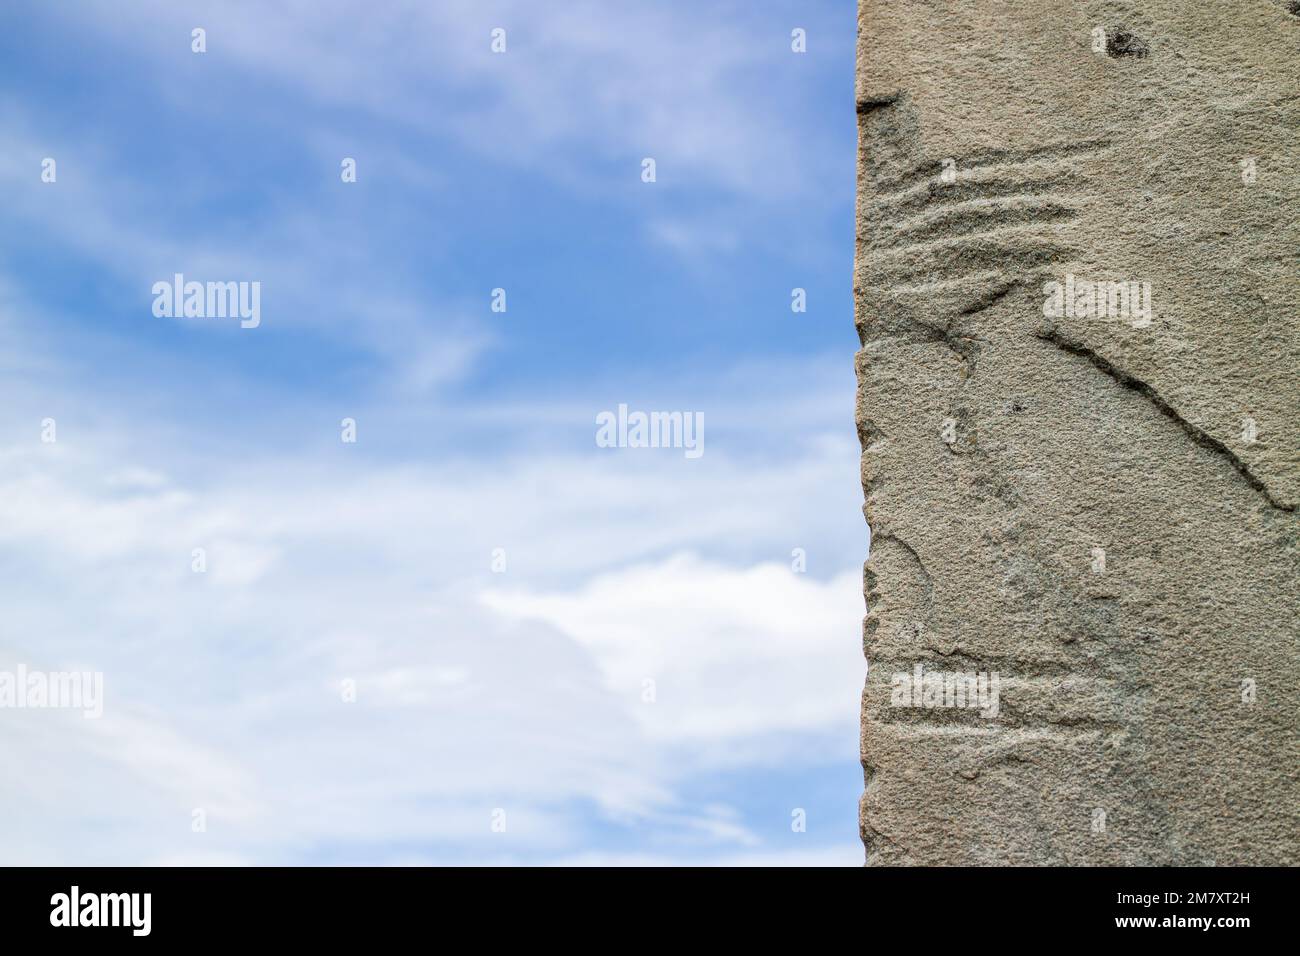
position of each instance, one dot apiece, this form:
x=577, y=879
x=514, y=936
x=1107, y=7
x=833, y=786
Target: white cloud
x=475, y=690
x=847, y=855
x=370, y=563
x=678, y=84
x=303, y=260
x=731, y=651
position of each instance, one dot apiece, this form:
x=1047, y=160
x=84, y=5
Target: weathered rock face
x=1082, y=499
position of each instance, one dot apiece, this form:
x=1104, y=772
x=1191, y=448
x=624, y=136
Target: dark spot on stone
x=1016, y=408
x=1294, y=7
x=1120, y=42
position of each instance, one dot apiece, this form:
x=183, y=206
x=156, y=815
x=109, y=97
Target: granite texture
x=1091, y=503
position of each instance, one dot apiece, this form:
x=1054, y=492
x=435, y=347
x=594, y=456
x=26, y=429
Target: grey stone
x=1099, y=509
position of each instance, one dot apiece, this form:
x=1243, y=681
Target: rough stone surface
x=1098, y=509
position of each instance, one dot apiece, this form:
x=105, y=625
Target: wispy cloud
x=327, y=567
x=475, y=690
x=702, y=92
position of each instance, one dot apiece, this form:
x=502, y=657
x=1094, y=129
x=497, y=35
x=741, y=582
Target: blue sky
x=519, y=690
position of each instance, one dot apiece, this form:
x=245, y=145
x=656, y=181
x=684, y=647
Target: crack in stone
x=929, y=581
x=965, y=347
x=1202, y=438
x=878, y=102
x=990, y=299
